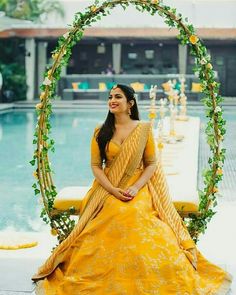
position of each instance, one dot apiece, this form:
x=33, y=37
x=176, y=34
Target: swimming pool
x=72, y=130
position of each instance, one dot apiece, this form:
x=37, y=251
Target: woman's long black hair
x=106, y=132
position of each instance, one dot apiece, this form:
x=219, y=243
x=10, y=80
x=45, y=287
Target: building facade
x=134, y=43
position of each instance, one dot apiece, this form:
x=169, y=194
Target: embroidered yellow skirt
x=127, y=250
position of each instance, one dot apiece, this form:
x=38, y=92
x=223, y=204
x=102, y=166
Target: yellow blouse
x=112, y=148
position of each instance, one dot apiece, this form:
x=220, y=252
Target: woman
x=129, y=238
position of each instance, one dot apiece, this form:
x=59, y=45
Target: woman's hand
x=132, y=191
x=120, y=194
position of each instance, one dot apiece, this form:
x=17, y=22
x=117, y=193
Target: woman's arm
x=102, y=178
x=143, y=179
x=145, y=176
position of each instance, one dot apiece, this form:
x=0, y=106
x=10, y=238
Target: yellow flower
x=160, y=145
x=43, y=95
x=219, y=171
x=193, y=39
x=35, y=174
x=94, y=8
x=155, y=1
x=221, y=137
x=39, y=106
x=209, y=66
x=152, y=115
x=215, y=190
x=49, y=72
x=54, y=231
x=55, y=55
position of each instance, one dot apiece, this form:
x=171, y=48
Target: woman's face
x=117, y=101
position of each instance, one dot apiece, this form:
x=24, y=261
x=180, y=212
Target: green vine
x=61, y=223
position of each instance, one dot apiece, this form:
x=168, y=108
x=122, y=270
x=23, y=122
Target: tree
x=34, y=10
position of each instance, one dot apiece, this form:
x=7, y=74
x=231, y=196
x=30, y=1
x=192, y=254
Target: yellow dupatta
x=121, y=169
x=167, y=212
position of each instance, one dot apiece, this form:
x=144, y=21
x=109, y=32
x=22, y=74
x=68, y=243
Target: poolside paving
x=6, y=106
x=18, y=266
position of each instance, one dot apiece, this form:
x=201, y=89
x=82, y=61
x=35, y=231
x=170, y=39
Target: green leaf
x=34, y=185
x=32, y=162
x=36, y=191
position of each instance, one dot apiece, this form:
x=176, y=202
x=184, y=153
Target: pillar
x=182, y=59
x=30, y=67
x=116, y=57
x=42, y=63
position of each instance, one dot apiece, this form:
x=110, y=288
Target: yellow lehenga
x=129, y=248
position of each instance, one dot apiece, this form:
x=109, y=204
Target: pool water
x=72, y=131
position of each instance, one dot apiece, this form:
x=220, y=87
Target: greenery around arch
x=62, y=224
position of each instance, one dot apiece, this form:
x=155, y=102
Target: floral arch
x=62, y=224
